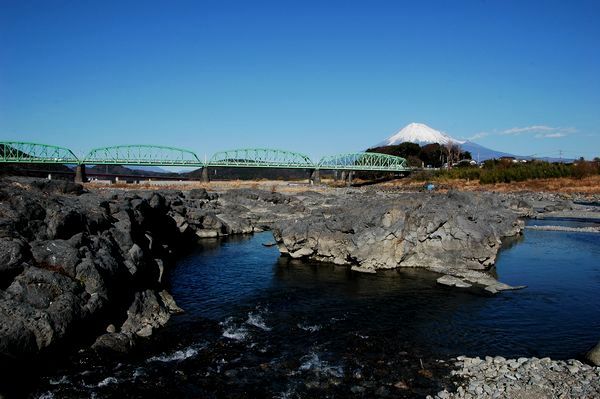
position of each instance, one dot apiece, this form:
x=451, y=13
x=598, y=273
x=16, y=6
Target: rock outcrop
x=73, y=262
x=454, y=233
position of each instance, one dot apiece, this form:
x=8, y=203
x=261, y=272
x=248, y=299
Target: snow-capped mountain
x=419, y=133
x=422, y=134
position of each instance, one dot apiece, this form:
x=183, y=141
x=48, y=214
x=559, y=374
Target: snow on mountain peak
x=419, y=133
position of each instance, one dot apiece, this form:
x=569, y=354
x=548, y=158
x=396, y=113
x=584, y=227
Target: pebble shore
x=531, y=378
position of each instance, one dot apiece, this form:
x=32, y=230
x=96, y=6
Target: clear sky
x=318, y=77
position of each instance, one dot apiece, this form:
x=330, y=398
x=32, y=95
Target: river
x=257, y=325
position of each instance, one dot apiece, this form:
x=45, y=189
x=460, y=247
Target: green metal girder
x=154, y=155
x=28, y=152
x=261, y=158
x=364, y=161
x=143, y=155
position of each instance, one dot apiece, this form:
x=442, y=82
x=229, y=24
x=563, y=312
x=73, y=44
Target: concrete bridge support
x=315, y=177
x=205, y=178
x=350, y=177
x=343, y=178
x=335, y=175
x=80, y=176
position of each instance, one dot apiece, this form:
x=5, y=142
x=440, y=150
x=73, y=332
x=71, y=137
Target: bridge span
x=20, y=152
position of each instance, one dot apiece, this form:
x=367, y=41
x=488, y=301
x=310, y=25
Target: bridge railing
x=28, y=152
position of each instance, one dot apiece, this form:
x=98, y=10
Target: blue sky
x=517, y=76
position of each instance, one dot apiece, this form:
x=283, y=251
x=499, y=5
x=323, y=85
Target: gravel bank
x=531, y=378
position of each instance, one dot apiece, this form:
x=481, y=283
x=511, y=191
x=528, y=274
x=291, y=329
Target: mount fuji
x=421, y=134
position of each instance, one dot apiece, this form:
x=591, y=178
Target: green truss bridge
x=154, y=155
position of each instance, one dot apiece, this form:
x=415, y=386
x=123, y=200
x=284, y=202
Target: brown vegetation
x=586, y=185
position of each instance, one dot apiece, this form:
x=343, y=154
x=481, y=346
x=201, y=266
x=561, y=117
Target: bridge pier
x=350, y=176
x=335, y=175
x=80, y=176
x=315, y=177
x=205, y=178
x=343, y=178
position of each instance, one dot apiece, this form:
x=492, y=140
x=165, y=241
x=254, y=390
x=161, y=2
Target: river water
x=257, y=325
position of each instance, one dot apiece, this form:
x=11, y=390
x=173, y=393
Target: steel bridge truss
x=260, y=158
x=25, y=152
x=146, y=155
x=364, y=161
x=153, y=155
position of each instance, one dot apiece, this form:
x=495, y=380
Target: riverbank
x=584, y=187
x=526, y=378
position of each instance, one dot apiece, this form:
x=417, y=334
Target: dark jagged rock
x=114, y=342
x=13, y=253
x=72, y=262
x=58, y=186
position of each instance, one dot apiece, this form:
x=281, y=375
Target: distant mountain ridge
x=420, y=133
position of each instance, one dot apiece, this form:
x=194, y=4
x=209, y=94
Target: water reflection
x=232, y=276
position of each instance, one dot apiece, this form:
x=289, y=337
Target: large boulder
x=13, y=252
x=593, y=356
x=60, y=255
x=45, y=303
x=114, y=342
x=147, y=312
x=64, y=223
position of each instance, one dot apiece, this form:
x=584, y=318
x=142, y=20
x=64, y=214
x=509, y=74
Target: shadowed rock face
x=74, y=262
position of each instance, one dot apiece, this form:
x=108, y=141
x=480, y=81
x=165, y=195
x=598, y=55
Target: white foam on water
x=289, y=393
x=47, y=395
x=311, y=329
x=256, y=320
x=312, y=362
x=175, y=356
x=232, y=331
x=108, y=381
x=60, y=381
x=138, y=372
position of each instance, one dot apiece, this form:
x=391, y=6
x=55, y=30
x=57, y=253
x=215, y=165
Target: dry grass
x=587, y=185
x=267, y=185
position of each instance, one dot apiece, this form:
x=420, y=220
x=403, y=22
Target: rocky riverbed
x=90, y=268
x=526, y=378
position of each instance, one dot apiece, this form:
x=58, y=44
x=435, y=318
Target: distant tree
x=408, y=149
x=466, y=155
x=452, y=152
x=432, y=154
x=403, y=150
x=414, y=161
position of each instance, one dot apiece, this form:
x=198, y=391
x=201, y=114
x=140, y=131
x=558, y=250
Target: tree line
x=430, y=155
x=506, y=171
